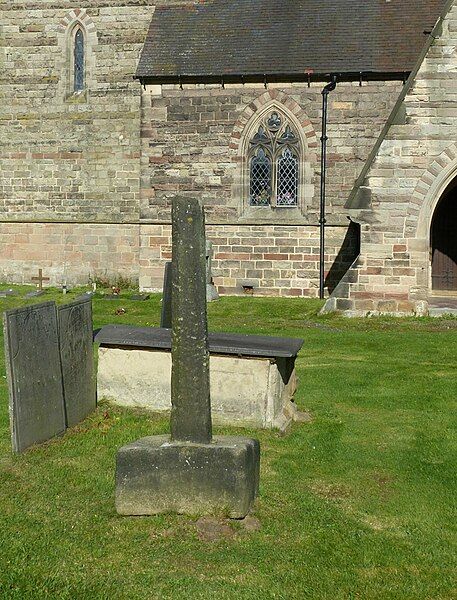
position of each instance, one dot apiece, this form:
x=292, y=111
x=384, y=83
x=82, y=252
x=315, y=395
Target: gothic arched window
x=274, y=157
x=78, y=78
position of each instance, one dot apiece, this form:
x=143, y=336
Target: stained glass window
x=79, y=61
x=274, y=156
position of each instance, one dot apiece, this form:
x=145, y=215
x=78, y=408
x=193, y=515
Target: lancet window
x=78, y=78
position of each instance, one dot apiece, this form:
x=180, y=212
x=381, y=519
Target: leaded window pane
x=79, y=61
x=287, y=186
x=260, y=179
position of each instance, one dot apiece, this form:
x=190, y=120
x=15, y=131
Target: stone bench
x=252, y=377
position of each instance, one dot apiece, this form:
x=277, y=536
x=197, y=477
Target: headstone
x=188, y=472
x=165, y=319
x=33, y=367
x=76, y=350
x=211, y=291
x=7, y=293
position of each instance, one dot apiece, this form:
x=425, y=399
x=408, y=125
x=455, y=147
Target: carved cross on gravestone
x=40, y=279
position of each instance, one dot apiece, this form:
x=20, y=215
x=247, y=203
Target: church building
x=320, y=136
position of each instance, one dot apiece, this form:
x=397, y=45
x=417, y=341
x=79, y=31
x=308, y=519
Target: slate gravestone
x=37, y=411
x=165, y=319
x=190, y=472
x=75, y=335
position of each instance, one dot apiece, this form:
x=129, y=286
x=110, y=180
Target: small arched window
x=274, y=158
x=78, y=77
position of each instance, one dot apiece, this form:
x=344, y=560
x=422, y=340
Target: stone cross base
x=155, y=475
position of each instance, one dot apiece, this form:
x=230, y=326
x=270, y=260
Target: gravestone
x=165, y=319
x=34, y=294
x=190, y=471
x=37, y=411
x=7, y=293
x=140, y=297
x=211, y=291
x=75, y=335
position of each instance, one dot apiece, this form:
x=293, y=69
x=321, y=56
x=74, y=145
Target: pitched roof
x=284, y=38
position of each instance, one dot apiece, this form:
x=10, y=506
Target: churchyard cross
x=40, y=279
x=188, y=471
x=191, y=408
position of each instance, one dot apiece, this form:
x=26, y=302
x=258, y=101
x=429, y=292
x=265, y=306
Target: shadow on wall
x=349, y=251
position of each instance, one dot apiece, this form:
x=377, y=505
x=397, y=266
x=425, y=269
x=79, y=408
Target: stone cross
x=40, y=279
x=191, y=472
x=190, y=392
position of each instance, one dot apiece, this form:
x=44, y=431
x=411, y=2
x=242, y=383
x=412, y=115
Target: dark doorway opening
x=444, y=242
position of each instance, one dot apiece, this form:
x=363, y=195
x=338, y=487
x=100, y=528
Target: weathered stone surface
x=156, y=475
x=37, y=410
x=190, y=393
x=76, y=350
x=245, y=392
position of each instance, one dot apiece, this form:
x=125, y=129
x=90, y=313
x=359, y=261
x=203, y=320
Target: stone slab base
x=249, y=392
x=155, y=475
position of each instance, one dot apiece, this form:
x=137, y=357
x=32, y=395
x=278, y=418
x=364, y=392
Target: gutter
x=308, y=77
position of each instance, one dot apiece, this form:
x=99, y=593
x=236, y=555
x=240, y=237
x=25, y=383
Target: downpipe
x=322, y=220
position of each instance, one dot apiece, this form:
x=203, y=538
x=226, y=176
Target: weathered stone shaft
x=190, y=391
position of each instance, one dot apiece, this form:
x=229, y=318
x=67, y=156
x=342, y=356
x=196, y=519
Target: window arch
x=274, y=156
x=78, y=60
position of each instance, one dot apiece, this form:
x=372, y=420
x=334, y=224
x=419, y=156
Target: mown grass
x=361, y=503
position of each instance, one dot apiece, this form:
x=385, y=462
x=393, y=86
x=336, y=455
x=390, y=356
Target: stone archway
x=443, y=242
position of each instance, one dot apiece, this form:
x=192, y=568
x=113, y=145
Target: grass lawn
x=361, y=503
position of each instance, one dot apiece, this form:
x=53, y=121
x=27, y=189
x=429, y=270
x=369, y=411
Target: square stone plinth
x=155, y=475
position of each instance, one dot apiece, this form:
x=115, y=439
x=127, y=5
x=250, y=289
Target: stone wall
x=415, y=163
x=99, y=167
x=192, y=141
x=273, y=260
x=73, y=252
x=64, y=155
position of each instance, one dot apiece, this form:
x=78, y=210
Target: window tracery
x=274, y=156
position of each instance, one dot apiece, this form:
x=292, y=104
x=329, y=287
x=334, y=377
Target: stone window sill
x=76, y=97
x=273, y=214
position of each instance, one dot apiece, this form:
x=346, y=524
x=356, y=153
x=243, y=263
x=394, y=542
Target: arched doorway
x=443, y=237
